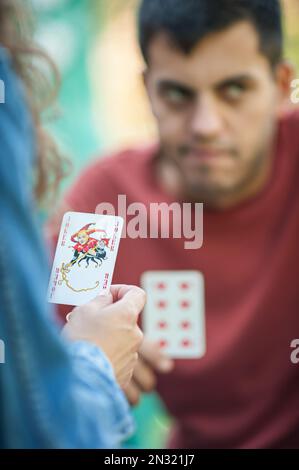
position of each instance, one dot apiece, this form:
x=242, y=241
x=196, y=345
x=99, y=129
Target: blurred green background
x=103, y=106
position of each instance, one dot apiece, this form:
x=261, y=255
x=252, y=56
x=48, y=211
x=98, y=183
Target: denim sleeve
x=52, y=394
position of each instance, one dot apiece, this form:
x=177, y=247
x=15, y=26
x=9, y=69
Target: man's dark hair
x=188, y=21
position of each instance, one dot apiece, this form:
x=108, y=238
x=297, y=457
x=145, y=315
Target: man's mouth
x=206, y=156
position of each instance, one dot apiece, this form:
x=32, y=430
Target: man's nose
x=206, y=122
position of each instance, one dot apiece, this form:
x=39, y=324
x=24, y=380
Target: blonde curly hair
x=41, y=80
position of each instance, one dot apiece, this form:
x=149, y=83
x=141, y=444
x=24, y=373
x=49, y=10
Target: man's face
x=216, y=110
x=82, y=238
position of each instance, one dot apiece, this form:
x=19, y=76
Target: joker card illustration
x=85, y=257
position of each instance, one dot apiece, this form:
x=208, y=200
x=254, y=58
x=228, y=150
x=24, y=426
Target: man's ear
x=284, y=75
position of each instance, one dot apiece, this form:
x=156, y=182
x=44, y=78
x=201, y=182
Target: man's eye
x=234, y=92
x=175, y=96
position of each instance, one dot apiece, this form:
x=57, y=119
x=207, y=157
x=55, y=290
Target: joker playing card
x=85, y=257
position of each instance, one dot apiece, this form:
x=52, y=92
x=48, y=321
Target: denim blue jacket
x=52, y=394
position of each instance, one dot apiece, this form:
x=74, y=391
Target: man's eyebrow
x=167, y=84
x=244, y=79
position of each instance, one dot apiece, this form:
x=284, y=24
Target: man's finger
x=152, y=355
x=133, y=393
x=144, y=376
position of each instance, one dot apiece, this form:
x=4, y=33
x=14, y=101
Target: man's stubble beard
x=214, y=195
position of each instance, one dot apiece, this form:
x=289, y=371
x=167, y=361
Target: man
x=218, y=85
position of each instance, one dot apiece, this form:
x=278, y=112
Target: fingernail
x=166, y=365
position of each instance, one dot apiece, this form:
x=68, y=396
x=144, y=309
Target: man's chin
x=212, y=193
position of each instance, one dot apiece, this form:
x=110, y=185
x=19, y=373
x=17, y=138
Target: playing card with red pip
x=174, y=315
x=85, y=257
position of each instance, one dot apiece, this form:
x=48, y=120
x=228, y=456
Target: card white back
x=174, y=315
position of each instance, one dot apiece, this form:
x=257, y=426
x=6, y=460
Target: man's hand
x=151, y=360
x=110, y=322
